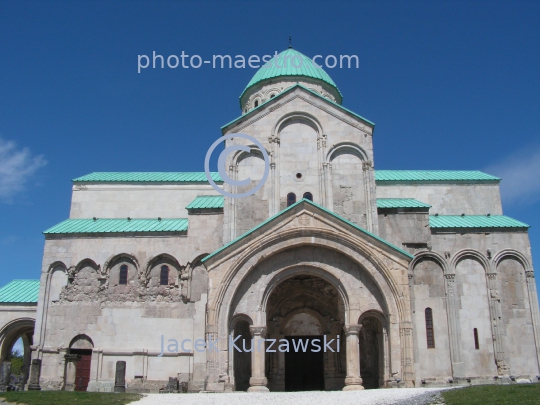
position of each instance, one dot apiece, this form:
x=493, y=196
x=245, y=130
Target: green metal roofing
x=433, y=175
x=400, y=203
x=165, y=177
x=118, y=225
x=290, y=63
x=319, y=207
x=23, y=291
x=206, y=202
x=474, y=221
x=291, y=89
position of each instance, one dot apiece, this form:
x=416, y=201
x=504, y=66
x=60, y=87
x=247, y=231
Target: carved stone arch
x=151, y=263
x=436, y=257
x=375, y=313
x=514, y=254
x=254, y=151
x=72, y=271
x=346, y=148
x=56, y=265
x=114, y=259
x=270, y=91
x=299, y=269
x=81, y=341
x=306, y=118
x=11, y=331
x=219, y=309
x=22, y=328
x=238, y=318
x=471, y=254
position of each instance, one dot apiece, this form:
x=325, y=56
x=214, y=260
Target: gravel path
x=405, y=396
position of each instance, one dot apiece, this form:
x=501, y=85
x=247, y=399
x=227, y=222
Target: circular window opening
x=299, y=175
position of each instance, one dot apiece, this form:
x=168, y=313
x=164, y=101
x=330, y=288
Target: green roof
x=23, y=291
x=433, y=175
x=474, y=221
x=319, y=207
x=400, y=203
x=290, y=63
x=165, y=177
x=291, y=89
x=206, y=202
x=118, y=225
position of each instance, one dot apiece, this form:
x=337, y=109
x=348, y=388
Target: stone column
x=353, y=381
x=35, y=373
x=258, y=379
x=120, y=377
x=533, y=303
x=495, y=312
x=452, y=308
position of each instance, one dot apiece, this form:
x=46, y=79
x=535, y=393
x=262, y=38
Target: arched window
x=291, y=199
x=164, y=275
x=256, y=103
x=429, y=329
x=476, y=342
x=308, y=196
x=123, y=274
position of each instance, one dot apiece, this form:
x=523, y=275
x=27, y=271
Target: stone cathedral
x=412, y=278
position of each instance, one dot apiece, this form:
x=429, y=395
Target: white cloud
x=16, y=167
x=520, y=175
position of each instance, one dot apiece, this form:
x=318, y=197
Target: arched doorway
x=21, y=331
x=78, y=362
x=242, y=359
x=303, y=313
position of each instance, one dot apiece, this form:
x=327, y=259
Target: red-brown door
x=82, y=374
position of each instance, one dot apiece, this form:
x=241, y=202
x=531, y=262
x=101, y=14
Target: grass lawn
x=68, y=398
x=522, y=394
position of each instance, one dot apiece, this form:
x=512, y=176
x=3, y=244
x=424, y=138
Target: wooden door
x=82, y=373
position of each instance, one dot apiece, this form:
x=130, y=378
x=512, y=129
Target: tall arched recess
x=349, y=183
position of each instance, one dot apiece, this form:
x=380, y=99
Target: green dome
x=297, y=64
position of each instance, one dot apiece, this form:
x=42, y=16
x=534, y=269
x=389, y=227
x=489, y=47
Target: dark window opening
x=291, y=199
x=256, y=103
x=429, y=329
x=272, y=96
x=476, y=343
x=164, y=275
x=308, y=196
x=123, y=274
x=298, y=175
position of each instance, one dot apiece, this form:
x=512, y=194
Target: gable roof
x=118, y=225
x=20, y=291
x=165, y=177
x=305, y=201
x=297, y=85
x=475, y=221
x=382, y=176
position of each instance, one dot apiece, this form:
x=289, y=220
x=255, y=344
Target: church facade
x=409, y=278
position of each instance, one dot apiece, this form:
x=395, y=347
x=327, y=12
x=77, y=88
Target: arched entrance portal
x=22, y=329
x=78, y=361
x=303, y=313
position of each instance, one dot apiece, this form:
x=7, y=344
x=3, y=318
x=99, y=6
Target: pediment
x=303, y=220
x=307, y=96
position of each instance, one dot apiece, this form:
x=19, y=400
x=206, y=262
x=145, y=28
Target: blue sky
x=450, y=85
